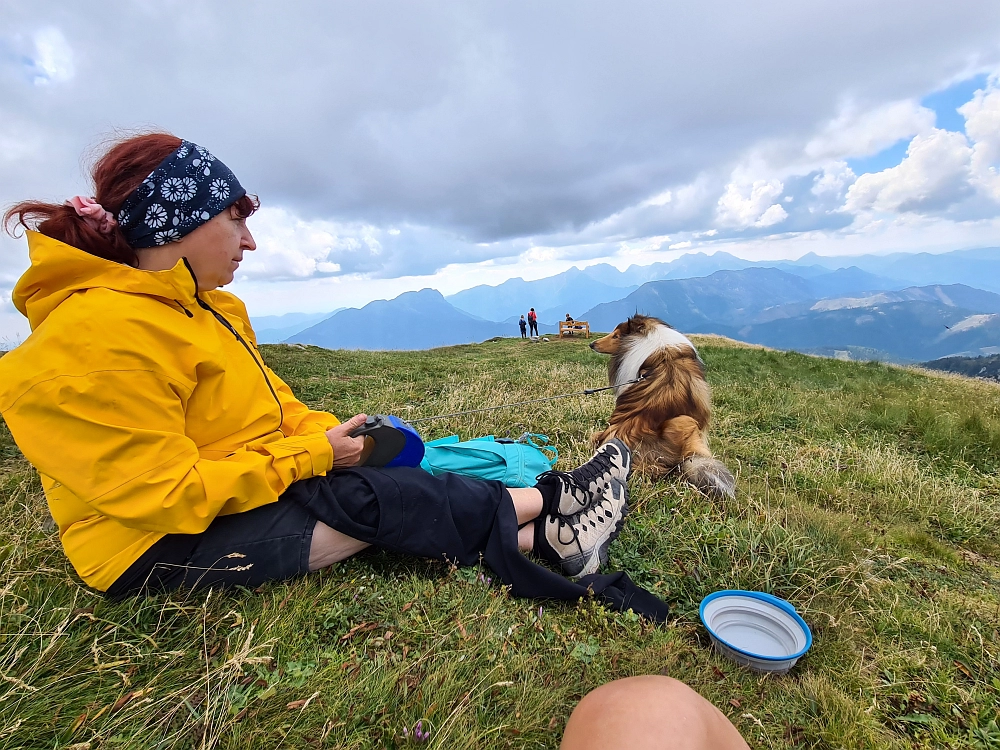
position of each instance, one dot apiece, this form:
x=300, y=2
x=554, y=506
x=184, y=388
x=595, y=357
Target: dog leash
x=585, y=392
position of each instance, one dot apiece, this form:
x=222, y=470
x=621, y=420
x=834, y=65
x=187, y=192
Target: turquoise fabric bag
x=516, y=463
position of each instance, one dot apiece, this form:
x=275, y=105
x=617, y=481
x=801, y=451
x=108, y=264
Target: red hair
x=116, y=174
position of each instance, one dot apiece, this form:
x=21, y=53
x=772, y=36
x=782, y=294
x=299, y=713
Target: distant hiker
x=568, y=318
x=171, y=455
x=524, y=327
x=533, y=322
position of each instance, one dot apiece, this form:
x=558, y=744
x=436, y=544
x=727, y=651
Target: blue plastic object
x=396, y=442
x=738, y=615
x=413, y=450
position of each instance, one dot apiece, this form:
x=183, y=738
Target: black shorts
x=245, y=549
x=271, y=543
x=446, y=517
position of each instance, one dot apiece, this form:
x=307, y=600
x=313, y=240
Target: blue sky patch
x=887, y=157
x=947, y=101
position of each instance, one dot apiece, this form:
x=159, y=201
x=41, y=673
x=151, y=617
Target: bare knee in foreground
x=329, y=546
x=649, y=713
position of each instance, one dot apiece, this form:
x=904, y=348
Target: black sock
x=541, y=546
x=549, y=489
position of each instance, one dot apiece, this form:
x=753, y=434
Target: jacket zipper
x=222, y=319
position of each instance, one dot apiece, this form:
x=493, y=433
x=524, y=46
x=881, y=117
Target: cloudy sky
x=398, y=145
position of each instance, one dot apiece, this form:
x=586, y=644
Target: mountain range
x=862, y=306
x=576, y=290
x=987, y=367
x=771, y=307
x=413, y=320
x=572, y=291
x=273, y=329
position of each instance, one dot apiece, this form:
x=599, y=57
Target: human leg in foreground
x=650, y=712
x=568, y=518
x=330, y=546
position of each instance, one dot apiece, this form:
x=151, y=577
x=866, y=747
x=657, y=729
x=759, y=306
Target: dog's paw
x=709, y=476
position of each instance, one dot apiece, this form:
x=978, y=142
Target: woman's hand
x=347, y=450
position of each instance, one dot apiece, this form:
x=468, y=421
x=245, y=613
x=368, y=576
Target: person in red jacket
x=533, y=322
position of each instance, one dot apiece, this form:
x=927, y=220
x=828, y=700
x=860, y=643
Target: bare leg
x=526, y=538
x=527, y=506
x=527, y=503
x=649, y=713
x=330, y=546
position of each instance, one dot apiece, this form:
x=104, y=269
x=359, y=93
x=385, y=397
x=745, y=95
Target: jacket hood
x=59, y=270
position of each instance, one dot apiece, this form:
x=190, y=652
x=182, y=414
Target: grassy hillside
x=974, y=367
x=868, y=496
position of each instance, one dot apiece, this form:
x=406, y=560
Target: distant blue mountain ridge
x=273, y=329
x=874, y=306
x=777, y=309
x=413, y=320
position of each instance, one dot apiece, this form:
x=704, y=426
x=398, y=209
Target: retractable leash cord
x=585, y=392
x=397, y=443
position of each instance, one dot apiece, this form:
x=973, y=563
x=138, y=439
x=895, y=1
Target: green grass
x=868, y=496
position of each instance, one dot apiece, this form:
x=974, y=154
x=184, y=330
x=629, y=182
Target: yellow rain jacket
x=146, y=407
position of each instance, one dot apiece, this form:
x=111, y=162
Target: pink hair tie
x=93, y=213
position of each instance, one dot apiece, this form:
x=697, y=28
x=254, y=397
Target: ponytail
x=116, y=174
x=61, y=222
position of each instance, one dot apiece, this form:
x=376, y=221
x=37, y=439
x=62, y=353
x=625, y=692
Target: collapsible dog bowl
x=756, y=630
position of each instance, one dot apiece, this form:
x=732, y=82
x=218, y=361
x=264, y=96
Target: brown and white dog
x=664, y=416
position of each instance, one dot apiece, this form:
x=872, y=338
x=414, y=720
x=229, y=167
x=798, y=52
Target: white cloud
x=745, y=205
x=660, y=199
x=942, y=170
x=855, y=133
x=982, y=125
x=290, y=248
x=933, y=175
x=53, y=58
x=773, y=215
x=405, y=142
x=833, y=180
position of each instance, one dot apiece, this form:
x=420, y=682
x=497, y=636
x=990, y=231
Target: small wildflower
x=419, y=734
x=539, y=613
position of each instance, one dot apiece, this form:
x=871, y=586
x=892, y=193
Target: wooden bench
x=574, y=328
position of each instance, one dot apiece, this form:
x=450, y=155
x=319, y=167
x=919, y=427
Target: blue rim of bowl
x=769, y=599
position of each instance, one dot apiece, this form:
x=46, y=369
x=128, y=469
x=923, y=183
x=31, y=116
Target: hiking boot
x=567, y=493
x=579, y=544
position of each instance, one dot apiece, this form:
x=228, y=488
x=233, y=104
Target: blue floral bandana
x=188, y=188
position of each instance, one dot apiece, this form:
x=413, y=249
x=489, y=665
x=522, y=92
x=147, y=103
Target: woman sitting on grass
x=170, y=453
